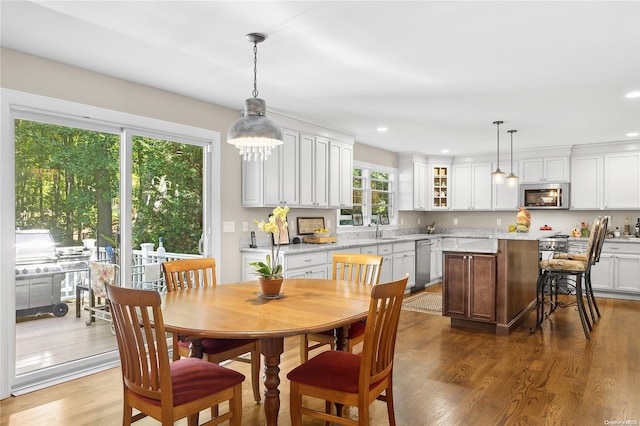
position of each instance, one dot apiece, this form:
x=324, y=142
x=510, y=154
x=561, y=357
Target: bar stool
x=553, y=270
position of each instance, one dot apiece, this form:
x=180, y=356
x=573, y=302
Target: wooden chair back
x=189, y=273
x=361, y=268
x=144, y=358
x=381, y=330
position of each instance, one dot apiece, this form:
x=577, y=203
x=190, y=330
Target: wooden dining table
x=237, y=311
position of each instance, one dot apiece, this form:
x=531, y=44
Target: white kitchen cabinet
x=340, y=175
x=314, y=169
x=369, y=250
x=587, y=182
x=306, y=265
x=439, y=192
x=404, y=261
x=386, y=272
x=618, y=270
x=504, y=197
x=622, y=180
x=471, y=188
x=554, y=169
x=413, y=176
x=282, y=172
x=248, y=273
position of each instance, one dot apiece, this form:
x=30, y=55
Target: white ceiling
x=437, y=74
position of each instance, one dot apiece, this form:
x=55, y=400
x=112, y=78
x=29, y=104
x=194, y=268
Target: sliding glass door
x=89, y=192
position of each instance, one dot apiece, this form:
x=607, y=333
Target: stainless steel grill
x=40, y=269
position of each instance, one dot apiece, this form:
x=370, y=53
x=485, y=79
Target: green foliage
x=67, y=180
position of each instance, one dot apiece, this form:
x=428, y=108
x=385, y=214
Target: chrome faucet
x=378, y=231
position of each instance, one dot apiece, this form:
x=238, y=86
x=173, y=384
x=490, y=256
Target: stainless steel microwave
x=544, y=195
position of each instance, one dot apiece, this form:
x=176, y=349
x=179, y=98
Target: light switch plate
x=229, y=226
x=455, y=220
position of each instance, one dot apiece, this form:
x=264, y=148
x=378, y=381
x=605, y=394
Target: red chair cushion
x=215, y=346
x=335, y=370
x=193, y=378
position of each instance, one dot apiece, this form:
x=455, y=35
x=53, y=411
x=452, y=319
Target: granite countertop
x=345, y=243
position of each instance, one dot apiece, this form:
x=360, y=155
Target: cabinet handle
x=307, y=260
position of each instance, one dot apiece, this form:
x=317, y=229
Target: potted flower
x=270, y=272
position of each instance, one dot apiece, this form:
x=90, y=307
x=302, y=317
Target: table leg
x=271, y=349
x=342, y=344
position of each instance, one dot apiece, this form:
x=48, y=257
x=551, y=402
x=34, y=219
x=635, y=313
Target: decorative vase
x=523, y=220
x=270, y=287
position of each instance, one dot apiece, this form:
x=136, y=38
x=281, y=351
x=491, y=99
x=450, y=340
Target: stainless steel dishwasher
x=423, y=263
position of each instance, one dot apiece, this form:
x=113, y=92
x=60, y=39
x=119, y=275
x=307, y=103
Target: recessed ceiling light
x=381, y=129
x=634, y=94
x=444, y=151
x=632, y=134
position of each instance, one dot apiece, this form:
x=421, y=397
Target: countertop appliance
x=544, y=195
x=40, y=269
x=423, y=263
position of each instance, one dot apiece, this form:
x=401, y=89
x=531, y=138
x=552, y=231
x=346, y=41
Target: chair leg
x=255, y=371
x=295, y=403
x=590, y=290
x=586, y=327
x=235, y=406
x=389, y=399
x=304, y=349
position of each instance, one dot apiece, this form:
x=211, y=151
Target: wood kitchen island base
x=491, y=292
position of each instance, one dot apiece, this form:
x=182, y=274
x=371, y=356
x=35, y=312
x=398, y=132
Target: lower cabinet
x=404, y=261
x=306, y=265
x=618, y=270
x=436, y=259
x=469, y=288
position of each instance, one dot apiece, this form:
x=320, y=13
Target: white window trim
x=393, y=213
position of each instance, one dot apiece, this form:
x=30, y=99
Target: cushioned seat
x=343, y=378
x=165, y=391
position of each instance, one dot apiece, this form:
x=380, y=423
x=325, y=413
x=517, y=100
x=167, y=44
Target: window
x=373, y=191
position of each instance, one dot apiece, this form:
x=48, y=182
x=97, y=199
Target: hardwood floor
x=443, y=376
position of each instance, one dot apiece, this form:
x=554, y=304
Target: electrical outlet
x=402, y=222
x=418, y=221
x=455, y=220
x=499, y=222
x=245, y=226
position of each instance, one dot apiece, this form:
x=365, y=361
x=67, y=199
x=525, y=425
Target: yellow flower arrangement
x=272, y=268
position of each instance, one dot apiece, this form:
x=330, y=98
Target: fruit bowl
x=320, y=234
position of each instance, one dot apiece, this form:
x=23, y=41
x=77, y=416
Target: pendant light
x=512, y=180
x=498, y=176
x=254, y=134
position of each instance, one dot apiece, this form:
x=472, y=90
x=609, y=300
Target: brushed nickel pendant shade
x=254, y=134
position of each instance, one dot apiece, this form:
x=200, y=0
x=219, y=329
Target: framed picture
x=357, y=219
x=384, y=219
x=284, y=233
x=306, y=225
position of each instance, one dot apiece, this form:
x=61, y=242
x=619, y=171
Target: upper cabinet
x=340, y=175
x=422, y=183
x=471, y=186
x=555, y=169
x=587, y=182
x=308, y=170
x=622, y=180
x=282, y=172
x=314, y=170
x=504, y=197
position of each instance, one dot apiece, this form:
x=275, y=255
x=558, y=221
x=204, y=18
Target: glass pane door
x=66, y=209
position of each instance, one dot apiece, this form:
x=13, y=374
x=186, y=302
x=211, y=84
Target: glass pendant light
x=254, y=134
x=512, y=180
x=498, y=176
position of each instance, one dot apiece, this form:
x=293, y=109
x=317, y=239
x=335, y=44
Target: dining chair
x=166, y=391
x=555, y=269
x=343, y=378
x=201, y=272
x=361, y=268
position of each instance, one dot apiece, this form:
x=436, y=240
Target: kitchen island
x=490, y=285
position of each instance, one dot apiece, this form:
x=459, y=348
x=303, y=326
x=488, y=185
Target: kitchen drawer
x=304, y=260
x=369, y=250
x=385, y=249
x=615, y=247
x=404, y=246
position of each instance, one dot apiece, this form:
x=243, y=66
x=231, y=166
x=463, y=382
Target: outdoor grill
x=40, y=270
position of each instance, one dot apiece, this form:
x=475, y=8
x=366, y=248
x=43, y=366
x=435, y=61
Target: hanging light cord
x=255, y=69
x=497, y=123
x=511, y=132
